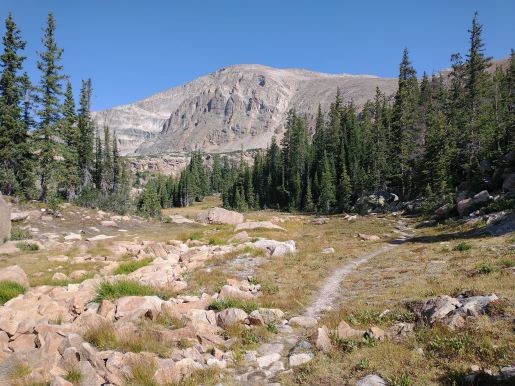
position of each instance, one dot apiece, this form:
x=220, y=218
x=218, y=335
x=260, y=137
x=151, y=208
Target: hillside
x=233, y=108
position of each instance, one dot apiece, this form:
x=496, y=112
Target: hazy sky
x=134, y=48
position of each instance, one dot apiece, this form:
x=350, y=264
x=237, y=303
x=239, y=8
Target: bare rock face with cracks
x=237, y=107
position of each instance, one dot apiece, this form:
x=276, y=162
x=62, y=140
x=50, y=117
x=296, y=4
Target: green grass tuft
x=124, y=287
x=27, y=247
x=74, y=376
x=10, y=289
x=18, y=234
x=131, y=266
x=246, y=305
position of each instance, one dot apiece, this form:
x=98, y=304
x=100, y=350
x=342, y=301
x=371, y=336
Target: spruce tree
x=50, y=110
x=98, y=173
x=107, y=163
x=69, y=175
x=15, y=154
x=404, y=124
x=86, y=134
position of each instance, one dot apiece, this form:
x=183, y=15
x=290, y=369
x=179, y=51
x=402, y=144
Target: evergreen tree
x=86, y=134
x=69, y=175
x=117, y=166
x=404, y=124
x=15, y=154
x=99, y=162
x=50, y=111
x=107, y=163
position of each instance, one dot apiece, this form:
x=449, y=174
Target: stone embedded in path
x=327, y=251
x=267, y=360
x=16, y=274
x=249, y=225
x=220, y=216
x=299, y=359
x=303, y=321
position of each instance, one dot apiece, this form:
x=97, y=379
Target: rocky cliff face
x=233, y=108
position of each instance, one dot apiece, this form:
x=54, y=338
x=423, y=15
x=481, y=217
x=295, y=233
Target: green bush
x=118, y=202
x=9, y=289
x=486, y=267
x=27, y=247
x=18, y=234
x=462, y=247
x=121, y=288
x=131, y=266
x=246, y=305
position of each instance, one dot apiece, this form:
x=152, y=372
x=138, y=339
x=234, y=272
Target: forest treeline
x=436, y=136
x=49, y=148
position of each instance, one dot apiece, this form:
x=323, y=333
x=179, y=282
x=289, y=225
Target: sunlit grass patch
x=9, y=290
x=246, y=305
x=131, y=266
x=124, y=287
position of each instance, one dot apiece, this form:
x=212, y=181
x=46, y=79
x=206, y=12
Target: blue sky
x=134, y=48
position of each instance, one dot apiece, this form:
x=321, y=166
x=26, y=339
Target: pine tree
x=69, y=176
x=117, y=165
x=15, y=154
x=99, y=162
x=107, y=163
x=404, y=123
x=51, y=109
x=326, y=199
x=86, y=135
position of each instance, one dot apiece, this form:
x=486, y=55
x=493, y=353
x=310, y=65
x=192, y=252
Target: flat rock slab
x=303, y=321
x=249, y=225
x=267, y=360
x=100, y=238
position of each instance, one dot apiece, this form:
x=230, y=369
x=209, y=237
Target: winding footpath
x=265, y=365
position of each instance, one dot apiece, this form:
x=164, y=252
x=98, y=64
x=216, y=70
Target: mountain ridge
x=234, y=107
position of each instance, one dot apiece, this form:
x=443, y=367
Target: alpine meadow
x=257, y=225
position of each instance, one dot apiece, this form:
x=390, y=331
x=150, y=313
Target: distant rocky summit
x=233, y=108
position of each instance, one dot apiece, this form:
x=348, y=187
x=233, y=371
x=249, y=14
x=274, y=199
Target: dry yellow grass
x=434, y=264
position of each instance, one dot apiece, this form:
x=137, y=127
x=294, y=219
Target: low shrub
x=27, y=247
x=485, y=268
x=462, y=247
x=18, y=234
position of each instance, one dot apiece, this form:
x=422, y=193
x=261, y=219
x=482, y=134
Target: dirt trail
x=288, y=338
x=330, y=292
